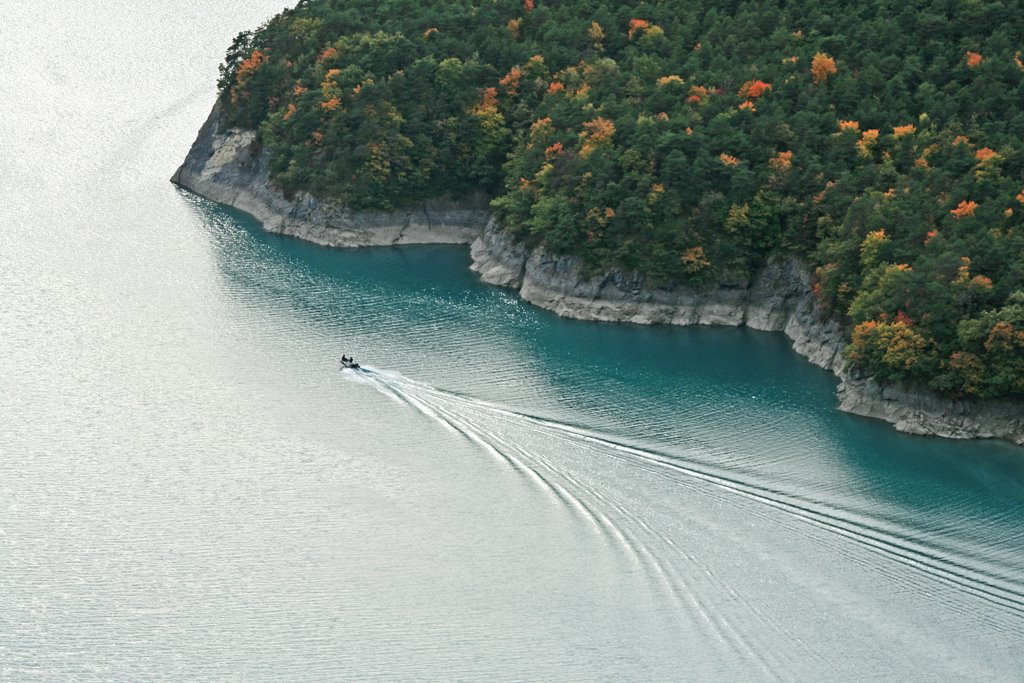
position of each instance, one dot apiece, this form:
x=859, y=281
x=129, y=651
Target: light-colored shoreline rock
x=923, y=412
x=227, y=166
x=778, y=299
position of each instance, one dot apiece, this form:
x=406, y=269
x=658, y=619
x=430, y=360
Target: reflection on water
x=191, y=489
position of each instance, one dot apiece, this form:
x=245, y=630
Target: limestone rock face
x=922, y=412
x=498, y=258
x=779, y=298
x=228, y=166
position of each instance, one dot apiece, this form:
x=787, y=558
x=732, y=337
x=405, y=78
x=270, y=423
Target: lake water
x=190, y=489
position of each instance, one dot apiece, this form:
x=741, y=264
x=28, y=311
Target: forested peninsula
x=683, y=147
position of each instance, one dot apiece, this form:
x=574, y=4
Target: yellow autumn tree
x=892, y=350
x=596, y=133
x=822, y=66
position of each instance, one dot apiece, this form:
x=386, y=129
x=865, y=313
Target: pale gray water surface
x=191, y=490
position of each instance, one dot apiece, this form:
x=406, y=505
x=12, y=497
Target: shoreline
x=228, y=167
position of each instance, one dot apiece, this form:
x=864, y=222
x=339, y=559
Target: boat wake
x=559, y=460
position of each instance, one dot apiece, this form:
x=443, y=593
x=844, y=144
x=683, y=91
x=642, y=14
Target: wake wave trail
x=941, y=562
x=558, y=482
x=640, y=545
x=985, y=583
x=663, y=573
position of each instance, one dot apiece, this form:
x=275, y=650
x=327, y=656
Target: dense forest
x=882, y=141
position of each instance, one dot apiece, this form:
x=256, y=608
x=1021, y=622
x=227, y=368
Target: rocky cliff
x=227, y=166
x=778, y=299
x=918, y=411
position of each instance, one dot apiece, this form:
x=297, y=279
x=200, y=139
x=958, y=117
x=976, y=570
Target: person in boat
x=344, y=359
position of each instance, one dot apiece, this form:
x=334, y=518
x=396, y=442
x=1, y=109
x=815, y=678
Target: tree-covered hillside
x=881, y=140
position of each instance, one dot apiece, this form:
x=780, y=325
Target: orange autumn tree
x=553, y=151
x=246, y=70
x=596, y=133
x=510, y=81
x=636, y=25
x=822, y=66
x=781, y=162
x=867, y=141
x=964, y=208
x=490, y=120
x=985, y=153
x=249, y=65
x=751, y=90
x=694, y=260
x=488, y=102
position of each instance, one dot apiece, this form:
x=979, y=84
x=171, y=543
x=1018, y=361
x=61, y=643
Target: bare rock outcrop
x=779, y=298
x=919, y=411
x=228, y=166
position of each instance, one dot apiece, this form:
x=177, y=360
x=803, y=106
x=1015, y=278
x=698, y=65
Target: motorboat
x=350, y=363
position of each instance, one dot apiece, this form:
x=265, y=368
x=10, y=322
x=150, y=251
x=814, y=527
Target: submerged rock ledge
x=227, y=166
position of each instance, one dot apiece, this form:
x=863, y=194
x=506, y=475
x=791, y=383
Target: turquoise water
x=191, y=489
